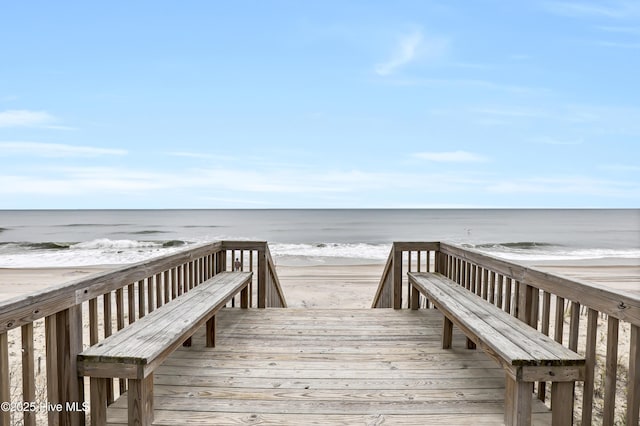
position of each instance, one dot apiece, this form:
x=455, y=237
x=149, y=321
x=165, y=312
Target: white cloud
x=410, y=48
x=451, y=157
x=620, y=30
x=39, y=149
x=25, y=118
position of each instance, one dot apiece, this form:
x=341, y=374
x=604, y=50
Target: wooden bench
x=526, y=355
x=134, y=352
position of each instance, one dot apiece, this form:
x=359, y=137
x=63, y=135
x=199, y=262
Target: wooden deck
x=304, y=366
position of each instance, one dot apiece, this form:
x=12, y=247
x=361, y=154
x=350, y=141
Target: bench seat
x=137, y=350
x=526, y=355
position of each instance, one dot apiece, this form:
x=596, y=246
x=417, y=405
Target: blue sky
x=301, y=104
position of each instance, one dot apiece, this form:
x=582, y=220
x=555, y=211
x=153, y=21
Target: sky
x=319, y=104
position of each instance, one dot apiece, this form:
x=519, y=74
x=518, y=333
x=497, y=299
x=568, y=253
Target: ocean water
x=43, y=238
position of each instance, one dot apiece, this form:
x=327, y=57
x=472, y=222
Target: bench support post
x=211, y=332
x=98, y=401
x=517, y=402
x=562, y=403
x=447, y=333
x=140, y=398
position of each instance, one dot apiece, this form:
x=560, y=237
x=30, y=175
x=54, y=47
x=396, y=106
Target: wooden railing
x=109, y=301
x=547, y=302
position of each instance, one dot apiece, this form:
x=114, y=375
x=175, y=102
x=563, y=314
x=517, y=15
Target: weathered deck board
x=328, y=367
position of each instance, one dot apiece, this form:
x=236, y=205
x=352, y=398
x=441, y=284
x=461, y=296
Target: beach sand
x=332, y=286
x=325, y=286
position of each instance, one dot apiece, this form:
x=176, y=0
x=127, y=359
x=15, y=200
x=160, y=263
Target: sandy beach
x=332, y=286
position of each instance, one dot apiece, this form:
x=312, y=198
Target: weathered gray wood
x=526, y=354
x=69, y=345
x=152, y=338
x=25, y=309
x=590, y=356
x=517, y=402
x=28, y=373
x=5, y=392
x=611, y=365
x=51, y=348
x=397, y=278
x=379, y=301
x=633, y=390
x=283, y=379
x=622, y=305
x=562, y=403
x=98, y=389
x=512, y=341
x=140, y=399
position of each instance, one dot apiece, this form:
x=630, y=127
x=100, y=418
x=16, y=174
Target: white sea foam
x=105, y=252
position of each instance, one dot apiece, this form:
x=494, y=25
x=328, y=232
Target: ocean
x=51, y=238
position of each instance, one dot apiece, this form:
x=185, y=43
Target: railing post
x=397, y=278
x=5, y=390
x=70, y=385
x=633, y=392
x=262, y=278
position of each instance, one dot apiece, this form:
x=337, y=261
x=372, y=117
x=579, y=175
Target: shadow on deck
x=315, y=366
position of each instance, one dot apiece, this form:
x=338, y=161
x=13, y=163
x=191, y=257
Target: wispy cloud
x=451, y=157
x=620, y=30
x=410, y=48
x=545, y=140
x=39, y=149
x=610, y=9
x=511, y=112
x=25, y=118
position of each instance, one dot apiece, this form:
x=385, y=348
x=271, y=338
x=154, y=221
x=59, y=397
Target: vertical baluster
x=93, y=321
x=516, y=297
x=151, y=294
x=492, y=288
x=131, y=302
x=535, y=307
x=574, y=326
x=53, y=385
x=158, y=280
x=559, y=320
x=108, y=331
x=485, y=284
x=28, y=373
x=472, y=279
x=251, y=286
x=187, y=277
x=69, y=345
x=590, y=365
x=500, y=291
x=608, y=414
x=167, y=289
x=181, y=269
x=174, y=283
x=633, y=387
x=5, y=389
x=120, y=325
x=141, y=299
x=507, y=294
x=546, y=311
